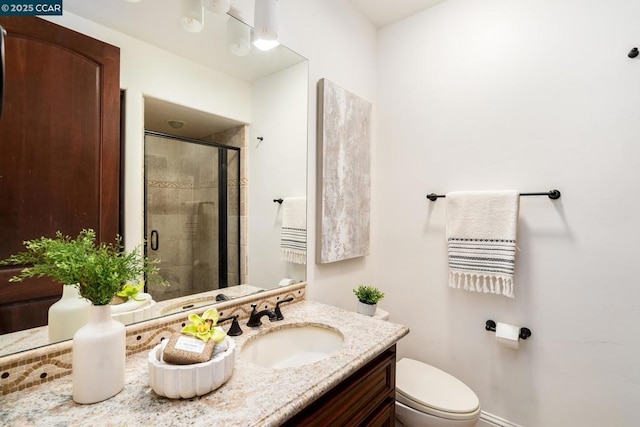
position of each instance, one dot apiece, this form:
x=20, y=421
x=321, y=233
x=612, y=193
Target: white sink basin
x=292, y=346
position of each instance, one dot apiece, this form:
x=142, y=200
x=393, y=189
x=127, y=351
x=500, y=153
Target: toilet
x=429, y=397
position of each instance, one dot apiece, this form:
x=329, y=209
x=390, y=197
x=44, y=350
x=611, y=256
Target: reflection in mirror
x=266, y=93
x=192, y=212
x=193, y=171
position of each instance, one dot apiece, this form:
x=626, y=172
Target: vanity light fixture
x=217, y=6
x=192, y=19
x=238, y=37
x=265, y=31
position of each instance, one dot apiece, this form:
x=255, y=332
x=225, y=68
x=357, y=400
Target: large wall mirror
x=195, y=103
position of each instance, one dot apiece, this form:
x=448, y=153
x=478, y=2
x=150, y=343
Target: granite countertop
x=253, y=396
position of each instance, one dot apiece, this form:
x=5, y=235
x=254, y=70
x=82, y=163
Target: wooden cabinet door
x=59, y=145
x=364, y=399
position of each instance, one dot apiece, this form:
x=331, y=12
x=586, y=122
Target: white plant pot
x=367, y=309
x=99, y=353
x=67, y=315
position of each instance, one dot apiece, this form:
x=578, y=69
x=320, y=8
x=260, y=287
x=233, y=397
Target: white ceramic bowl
x=186, y=381
x=137, y=315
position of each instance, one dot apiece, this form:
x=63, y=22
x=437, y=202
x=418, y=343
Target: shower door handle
x=155, y=240
x=3, y=33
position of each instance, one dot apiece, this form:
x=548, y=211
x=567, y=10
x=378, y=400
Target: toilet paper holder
x=524, y=332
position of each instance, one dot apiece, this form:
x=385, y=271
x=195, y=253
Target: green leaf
x=368, y=294
x=131, y=291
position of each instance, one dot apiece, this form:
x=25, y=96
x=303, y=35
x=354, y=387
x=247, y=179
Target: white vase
x=99, y=352
x=67, y=315
x=367, y=309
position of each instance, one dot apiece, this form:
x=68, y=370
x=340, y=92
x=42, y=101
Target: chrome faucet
x=254, y=318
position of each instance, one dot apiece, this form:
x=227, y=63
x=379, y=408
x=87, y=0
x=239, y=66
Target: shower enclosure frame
x=223, y=257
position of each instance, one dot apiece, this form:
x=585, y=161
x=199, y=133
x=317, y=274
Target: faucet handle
x=235, y=328
x=254, y=318
x=278, y=312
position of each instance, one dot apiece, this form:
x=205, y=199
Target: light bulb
x=265, y=30
x=265, y=45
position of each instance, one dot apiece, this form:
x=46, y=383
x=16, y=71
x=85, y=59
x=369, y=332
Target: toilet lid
x=432, y=388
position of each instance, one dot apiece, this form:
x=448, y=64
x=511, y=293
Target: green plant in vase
x=99, y=271
x=368, y=294
x=368, y=297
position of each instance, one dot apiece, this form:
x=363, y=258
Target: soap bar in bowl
x=186, y=350
x=187, y=381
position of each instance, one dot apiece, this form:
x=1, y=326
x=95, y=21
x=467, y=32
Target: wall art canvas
x=344, y=177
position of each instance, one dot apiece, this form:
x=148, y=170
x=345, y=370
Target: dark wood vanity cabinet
x=365, y=398
x=59, y=150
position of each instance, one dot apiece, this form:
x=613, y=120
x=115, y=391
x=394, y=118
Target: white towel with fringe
x=293, y=239
x=481, y=239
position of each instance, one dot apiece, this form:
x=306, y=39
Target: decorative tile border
x=186, y=185
x=30, y=368
x=26, y=369
x=207, y=184
x=232, y=182
x=170, y=184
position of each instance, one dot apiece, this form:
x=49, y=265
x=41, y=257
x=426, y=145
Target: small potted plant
x=368, y=297
x=99, y=271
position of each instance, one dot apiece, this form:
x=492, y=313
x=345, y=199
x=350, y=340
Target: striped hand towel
x=481, y=238
x=293, y=240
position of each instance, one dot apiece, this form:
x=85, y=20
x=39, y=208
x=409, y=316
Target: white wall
x=341, y=46
x=535, y=95
x=277, y=169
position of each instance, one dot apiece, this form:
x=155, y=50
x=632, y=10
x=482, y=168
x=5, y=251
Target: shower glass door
x=192, y=207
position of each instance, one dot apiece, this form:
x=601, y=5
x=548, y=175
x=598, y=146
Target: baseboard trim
x=490, y=420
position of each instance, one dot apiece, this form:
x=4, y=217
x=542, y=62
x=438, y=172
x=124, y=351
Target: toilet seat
x=428, y=389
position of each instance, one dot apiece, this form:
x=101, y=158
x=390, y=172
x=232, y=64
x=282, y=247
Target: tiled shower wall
x=182, y=204
x=175, y=181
